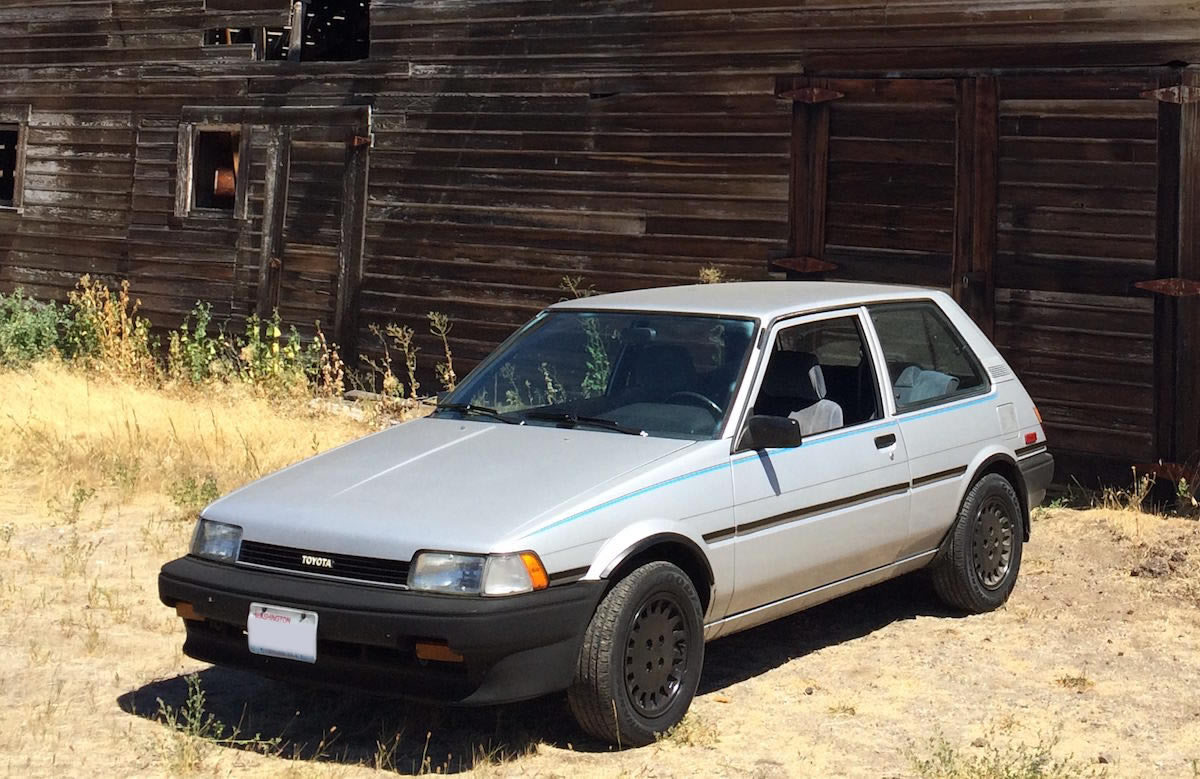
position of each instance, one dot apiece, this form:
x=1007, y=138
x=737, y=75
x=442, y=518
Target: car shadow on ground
x=321, y=724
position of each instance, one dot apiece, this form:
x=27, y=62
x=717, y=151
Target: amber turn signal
x=430, y=650
x=537, y=572
x=187, y=611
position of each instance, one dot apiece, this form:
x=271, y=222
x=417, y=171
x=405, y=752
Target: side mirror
x=767, y=432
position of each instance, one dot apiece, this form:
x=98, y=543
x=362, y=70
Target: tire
x=978, y=565
x=629, y=685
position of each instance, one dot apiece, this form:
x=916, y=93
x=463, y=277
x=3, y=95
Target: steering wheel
x=696, y=399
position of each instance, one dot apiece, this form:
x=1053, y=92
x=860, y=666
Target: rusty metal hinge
x=363, y=140
x=1179, y=95
x=1176, y=288
x=811, y=95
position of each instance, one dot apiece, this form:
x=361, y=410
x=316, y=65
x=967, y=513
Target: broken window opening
x=336, y=30
x=215, y=169
x=270, y=43
x=10, y=136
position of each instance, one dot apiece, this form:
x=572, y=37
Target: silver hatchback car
x=628, y=477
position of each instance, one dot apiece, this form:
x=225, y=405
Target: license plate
x=276, y=631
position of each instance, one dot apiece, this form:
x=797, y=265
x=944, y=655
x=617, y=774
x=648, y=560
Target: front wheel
x=978, y=567
x=640, y=662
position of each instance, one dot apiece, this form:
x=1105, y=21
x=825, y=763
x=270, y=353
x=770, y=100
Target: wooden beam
x=964, y=165
x=1187, y=332
x=275, y=195
x=800, y=181
x=297, y=116
x=183, y=169
x=985, y=193
x=351, y=248
x=977, y=127
x=296, y=41
x=1167, y=261
x=810, y=178
x=242, y=171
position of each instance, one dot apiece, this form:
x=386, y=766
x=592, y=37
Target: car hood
x=455, y=485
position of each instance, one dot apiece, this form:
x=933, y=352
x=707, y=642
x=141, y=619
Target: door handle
x=884, y=441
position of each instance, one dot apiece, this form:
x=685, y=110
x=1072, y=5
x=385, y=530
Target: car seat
x=794, y=386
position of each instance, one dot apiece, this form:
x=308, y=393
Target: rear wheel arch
x=1005, y=466
x=678, y=550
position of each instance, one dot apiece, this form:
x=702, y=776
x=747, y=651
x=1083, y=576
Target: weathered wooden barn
x=357, y=162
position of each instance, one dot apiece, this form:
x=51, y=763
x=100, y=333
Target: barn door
x=1037, y=201
x=313, y=210
x=1079, y=213
x=890, y=182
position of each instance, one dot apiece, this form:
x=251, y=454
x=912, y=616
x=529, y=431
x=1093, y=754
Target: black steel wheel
x=642, y=653
x=992, y=542
x=656, y=655
x=977, y=566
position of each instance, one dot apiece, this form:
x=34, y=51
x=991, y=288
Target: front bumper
x=513, y=648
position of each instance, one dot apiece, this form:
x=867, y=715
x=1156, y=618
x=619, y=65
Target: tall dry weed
x=63, y=427
x=106, y=331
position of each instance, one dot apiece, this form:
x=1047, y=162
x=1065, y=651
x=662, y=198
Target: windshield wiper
x=574, y=421
x=484, y=411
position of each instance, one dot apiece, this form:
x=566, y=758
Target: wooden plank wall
x=1077, y=229
x=890, y=214
x=630, y=142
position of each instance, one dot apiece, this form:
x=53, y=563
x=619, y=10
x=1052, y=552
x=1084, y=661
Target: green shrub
x=192, y=354
x=29, y=329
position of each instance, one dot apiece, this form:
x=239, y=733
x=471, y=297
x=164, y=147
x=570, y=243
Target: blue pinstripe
x=755, y=457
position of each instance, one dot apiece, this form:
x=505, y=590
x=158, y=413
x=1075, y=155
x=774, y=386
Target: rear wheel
x=640, y=662
x=978, y=567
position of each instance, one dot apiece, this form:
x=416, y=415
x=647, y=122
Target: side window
x=927, y=360
x=820, y=374
x=208, y=171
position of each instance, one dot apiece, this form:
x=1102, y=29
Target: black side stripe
x=1024, y=450
x=719, y=535
x=822, y=508
x=568, y=576
x=953, y=473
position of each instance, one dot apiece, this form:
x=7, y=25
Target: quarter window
x=928, y=362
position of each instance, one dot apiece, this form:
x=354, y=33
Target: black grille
x=286, y=558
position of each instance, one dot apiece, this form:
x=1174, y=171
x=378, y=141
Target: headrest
x=664, y=368
x=794, y=375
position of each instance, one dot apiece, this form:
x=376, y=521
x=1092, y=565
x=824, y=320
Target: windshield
x=665, y=374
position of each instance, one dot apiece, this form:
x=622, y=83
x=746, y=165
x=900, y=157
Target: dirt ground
x=1095, y=661
x=1086, y=659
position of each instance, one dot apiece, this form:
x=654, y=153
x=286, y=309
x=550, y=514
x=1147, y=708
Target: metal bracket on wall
x=803, y=265
x=1176, y=288
x=811, y=95
x=1181, y=94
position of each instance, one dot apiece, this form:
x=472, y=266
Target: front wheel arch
x=678, y=550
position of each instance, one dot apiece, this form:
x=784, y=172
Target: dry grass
x=99, y=483
x=67, y=434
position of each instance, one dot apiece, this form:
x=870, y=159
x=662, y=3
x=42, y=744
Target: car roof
x=760, y=299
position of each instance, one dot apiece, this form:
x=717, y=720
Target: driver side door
x=837, y=505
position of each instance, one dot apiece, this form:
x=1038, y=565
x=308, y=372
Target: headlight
x=467, y=574
x=217, y=541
